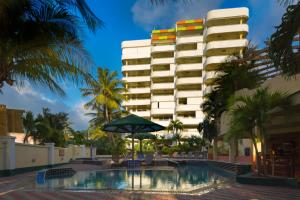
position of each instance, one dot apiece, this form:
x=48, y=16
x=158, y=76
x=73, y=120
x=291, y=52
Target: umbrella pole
x=132, y=146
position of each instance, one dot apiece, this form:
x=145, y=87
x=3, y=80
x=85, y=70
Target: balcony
x=214, y=60
x=189, y=80
x=166, y=73
x=141, y=113
x=227, y=13
x=162, y=111
x=235, y=28
x=181, y=108
x=164, y=123
x=134, y=79
x=136, y=43
x=189, y=53
x=162, y=48
x=225, y=47
x=161, y=61
x=210, y=76
x=226, y=44
x=138, y=90
x=189, y=39
x=162, y=98
x=190, y=120
x=189, y=67
x=162, y=86
x=136, y=102
x=135, y=67
x=192, y=93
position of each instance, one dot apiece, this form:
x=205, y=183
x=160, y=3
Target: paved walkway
x=20, y=187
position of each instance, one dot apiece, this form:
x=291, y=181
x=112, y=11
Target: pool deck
x=22, y=187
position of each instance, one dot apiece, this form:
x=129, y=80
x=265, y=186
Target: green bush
x=166, y=150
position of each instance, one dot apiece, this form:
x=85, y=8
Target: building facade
x=168, y=75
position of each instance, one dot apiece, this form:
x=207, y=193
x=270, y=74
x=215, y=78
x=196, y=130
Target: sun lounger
x=133, y=163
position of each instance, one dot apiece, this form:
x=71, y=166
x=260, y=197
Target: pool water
x=182, y=178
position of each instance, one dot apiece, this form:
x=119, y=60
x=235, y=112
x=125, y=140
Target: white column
x=83, y=153
x=9, y=153
x=215, y=149
x=50, y=153
x=93, y=152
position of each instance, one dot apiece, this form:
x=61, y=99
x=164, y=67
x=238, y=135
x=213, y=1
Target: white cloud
x=151, y=16
x=29, y=99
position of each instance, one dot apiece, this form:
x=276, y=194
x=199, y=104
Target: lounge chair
x=133, y=163
x=190, y=155
x=140, y=156
x=149, y=159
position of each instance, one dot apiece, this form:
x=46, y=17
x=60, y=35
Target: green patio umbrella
x=132, y=124
x=141, y=137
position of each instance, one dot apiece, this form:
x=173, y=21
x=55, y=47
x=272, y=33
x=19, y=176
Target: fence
x=24, y=157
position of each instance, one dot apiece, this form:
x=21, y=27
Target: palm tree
x=29, y=124
x=208, y=129
x=40, y=42
x=107, y=93
x=282, y=50
x=176, y=126
x=254, y=112
x=52, y=127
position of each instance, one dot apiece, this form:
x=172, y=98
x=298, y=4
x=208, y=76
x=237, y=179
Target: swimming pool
x=181, y=178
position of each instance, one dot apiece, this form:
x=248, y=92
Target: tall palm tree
x=250, y=112
x=176, y=126
x=40, y=42
x=282, y=51
x=107, y=93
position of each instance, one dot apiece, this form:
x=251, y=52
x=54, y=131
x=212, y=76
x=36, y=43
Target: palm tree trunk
x=107, y=119
x=264, y=155
x=258, y=160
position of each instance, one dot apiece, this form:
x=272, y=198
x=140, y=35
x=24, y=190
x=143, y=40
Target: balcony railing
x=159, y=61
x=162, y=86
x=189, y=67
x=134, y=79
x=189, y=80
x=136, y=67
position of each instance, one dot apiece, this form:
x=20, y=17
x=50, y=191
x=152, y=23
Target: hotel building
x=168, y=75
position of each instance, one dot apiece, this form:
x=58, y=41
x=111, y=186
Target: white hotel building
x=167, y=75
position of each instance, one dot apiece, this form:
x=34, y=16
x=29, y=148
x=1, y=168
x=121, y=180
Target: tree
x=208, y=128
x=107, y=93
x=29, y=124
x=52, y=127
x=234, y=74
x=76, y=138
x=253, y=112
x=176, y=126
x=40, y=42
x=281, y=50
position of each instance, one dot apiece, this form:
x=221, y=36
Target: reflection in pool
x=182, y=178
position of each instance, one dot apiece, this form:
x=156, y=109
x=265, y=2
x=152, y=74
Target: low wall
x=17, y=157
x=30, y=155
x=2, y=156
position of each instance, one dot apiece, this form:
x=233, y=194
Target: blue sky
x=130, y=20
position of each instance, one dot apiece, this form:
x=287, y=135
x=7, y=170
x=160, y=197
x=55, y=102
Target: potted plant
x=117, y=149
